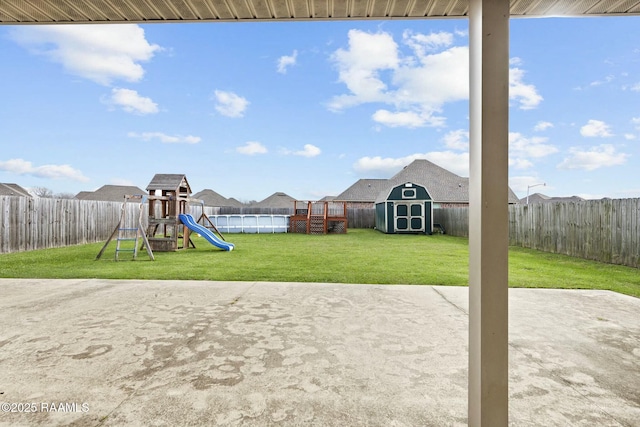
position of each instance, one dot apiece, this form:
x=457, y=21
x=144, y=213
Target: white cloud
x=523, y=149
x=542, y=126
x=515, y=61
x=635, y=87
x=457, y=139
x=525, y=94
x=522, y=146
x=100, y=53
x=131, y=102
x=360, y=65
x=596, y=128
x=606, y=80
x=416, y=78
x=287, y=61
x=593, y=158
x=385, y=167
x=439, y=78
x=409, y=119
x=629, y=136
x=251, y=148
x=423, y=43
x=308, y=150
x=229, y=104
x=24, y=167
x=164, y=138
x=457, y=163
x=636, y=122
x=519, y=163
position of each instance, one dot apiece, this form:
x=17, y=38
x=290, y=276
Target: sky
x=308, y=108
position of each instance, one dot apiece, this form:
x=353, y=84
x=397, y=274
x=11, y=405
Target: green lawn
x=361, y=256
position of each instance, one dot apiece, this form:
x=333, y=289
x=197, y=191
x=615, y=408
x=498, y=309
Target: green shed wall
x=385, y=211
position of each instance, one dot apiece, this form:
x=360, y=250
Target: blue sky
x=307, y=108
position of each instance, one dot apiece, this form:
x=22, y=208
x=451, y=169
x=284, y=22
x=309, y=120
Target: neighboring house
x=13, y=190
x=111, y=193
x=363, y=193
x=445, y=188
x=211, y=198
x=541, y=198
x=277, y=200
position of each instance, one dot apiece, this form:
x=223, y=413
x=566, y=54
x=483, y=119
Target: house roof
x=276, y=200
x=169, y=181
x=111, y=193
x=129, y=11
x=8, y=189
x=236, y=202
x=211, y=198
x=363, y=190
x=541, y=198
x=443, y=186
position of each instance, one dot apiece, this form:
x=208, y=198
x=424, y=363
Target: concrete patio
x=172, y=353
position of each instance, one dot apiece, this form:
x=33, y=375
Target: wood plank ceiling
x=141, y=11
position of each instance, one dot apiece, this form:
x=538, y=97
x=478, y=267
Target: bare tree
x=43, y=192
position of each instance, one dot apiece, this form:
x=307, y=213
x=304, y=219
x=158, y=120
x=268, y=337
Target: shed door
x=408, y=217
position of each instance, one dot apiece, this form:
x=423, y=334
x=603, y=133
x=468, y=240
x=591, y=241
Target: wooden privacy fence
x=603, y=230
x=40, y=223
x=454, y=220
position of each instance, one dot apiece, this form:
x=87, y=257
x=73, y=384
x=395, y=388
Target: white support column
x=488, y=213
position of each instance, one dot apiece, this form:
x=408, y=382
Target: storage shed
x=405, y=208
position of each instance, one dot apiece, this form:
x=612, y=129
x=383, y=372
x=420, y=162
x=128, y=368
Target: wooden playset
x=168, y=199
x=169, y=223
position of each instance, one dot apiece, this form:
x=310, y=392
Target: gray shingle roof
x=13, y=190
x=364, y=190
x=111, y=193
x=442, y=185
x=276, y=200
x=168, y=181
x=236, y=202
x=211, y=198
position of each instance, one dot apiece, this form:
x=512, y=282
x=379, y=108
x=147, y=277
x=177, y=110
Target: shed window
x=408, y=193
x=402, y=224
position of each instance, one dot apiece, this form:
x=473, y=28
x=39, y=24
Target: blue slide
x=205, y=232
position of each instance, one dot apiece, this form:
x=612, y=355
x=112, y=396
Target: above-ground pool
x=248, y=223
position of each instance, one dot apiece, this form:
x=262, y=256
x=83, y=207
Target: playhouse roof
x=111, y=193
x=169, y=181
x=13, y=190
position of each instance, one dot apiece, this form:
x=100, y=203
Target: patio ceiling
x=85, y=11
